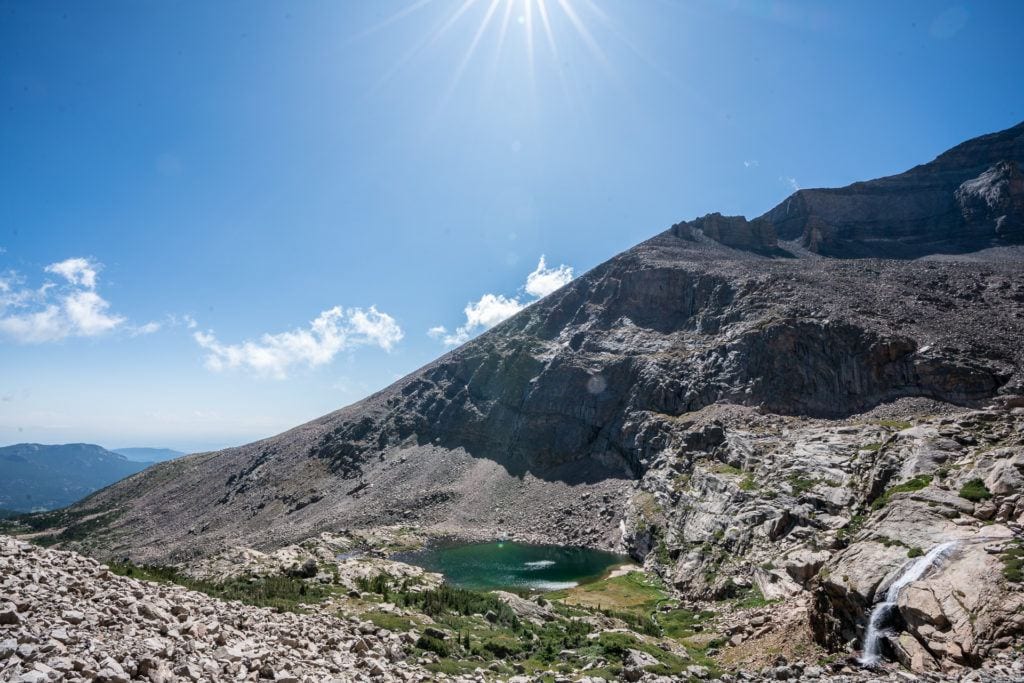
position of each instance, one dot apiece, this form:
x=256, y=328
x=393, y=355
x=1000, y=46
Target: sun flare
x=539, y=22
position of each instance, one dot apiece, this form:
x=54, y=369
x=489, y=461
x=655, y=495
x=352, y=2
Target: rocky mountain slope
x=790, y=401
x=40, y=477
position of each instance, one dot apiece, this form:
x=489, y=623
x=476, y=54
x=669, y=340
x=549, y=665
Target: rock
x=803, y=564
x=912, y=654
x=8, y=614
x=72, y=616
x=918, y=606
x=732, y=231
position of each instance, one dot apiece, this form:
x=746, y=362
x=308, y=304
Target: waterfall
x=881, y=611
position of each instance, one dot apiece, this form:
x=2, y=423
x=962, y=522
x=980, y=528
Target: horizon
x=219, y=226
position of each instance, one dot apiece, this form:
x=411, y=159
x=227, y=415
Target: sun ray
x=396, y=17
x=426, y=41
x=456, y=15
x=584, y=33
x=472, y=46
x=509, y=6
x=542, y=10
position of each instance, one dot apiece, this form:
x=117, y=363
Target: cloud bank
x=333, y=331
x=70, y=307
x=491, y=309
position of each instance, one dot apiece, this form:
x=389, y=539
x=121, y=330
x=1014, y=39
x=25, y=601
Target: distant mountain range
x=148, y=454
x=43, y=477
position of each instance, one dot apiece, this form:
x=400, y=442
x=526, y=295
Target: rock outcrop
x=967, y=199
x=732, y=231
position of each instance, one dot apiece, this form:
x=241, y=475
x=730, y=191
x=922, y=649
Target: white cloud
x=77, y=271
x=148, y=328
x=333, y=331
x=87, y=312
x=54, y=312
x=543, y=280
x=491, y=309
x=752, y=163
x=791, y=182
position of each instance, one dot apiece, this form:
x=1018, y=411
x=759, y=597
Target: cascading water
x=914, y=571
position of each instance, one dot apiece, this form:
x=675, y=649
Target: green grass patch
x=683, y=623
x=452, y=667
x=748, y=483
x=975, y=491
x=916, y=484
x=1013, y=563
x=632, y=592
x=751, y=597
x=392, y=622
x=800, y=484
x=898, y=425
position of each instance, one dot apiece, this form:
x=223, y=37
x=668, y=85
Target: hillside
x=42, y=477
x=736, y=403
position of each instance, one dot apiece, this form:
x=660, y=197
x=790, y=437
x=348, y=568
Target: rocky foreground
x=68, y=617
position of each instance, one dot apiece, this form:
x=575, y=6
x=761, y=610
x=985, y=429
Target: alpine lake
x=519, y=567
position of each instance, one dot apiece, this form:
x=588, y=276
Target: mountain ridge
x=34, y=476
x=727, y=401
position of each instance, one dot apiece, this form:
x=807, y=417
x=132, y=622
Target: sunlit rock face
x=967, y=199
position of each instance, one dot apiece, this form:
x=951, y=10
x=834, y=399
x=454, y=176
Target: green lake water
x=519, y=566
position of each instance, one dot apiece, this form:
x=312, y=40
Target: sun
x=535, y=19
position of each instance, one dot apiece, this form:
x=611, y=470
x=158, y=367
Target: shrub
x=800, y=484
x=435, y=645
x=915, y=552
x=975, y=490
x=916, y=484
x=616, y=644
x=502, y=646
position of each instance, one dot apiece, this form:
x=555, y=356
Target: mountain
x=40, y=477
x=148, y=455
x=802, y=402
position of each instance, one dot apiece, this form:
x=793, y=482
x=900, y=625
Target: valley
x=786, y=448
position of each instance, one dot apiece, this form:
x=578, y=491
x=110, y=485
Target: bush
x=915, y=552
x=447, y=600
x=975, y=491
x=502, y=646
x=616, y=644
x=281, y=592
x=916, y=484
x=435, y=645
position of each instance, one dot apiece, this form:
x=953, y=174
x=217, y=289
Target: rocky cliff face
x=954, y=204
x=719, y=401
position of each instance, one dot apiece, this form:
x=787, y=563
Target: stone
x=918, y=606
x=72, y=616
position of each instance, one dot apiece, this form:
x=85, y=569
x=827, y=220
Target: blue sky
x=219, y=220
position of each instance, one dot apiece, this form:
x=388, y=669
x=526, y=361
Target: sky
x=219, y=220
